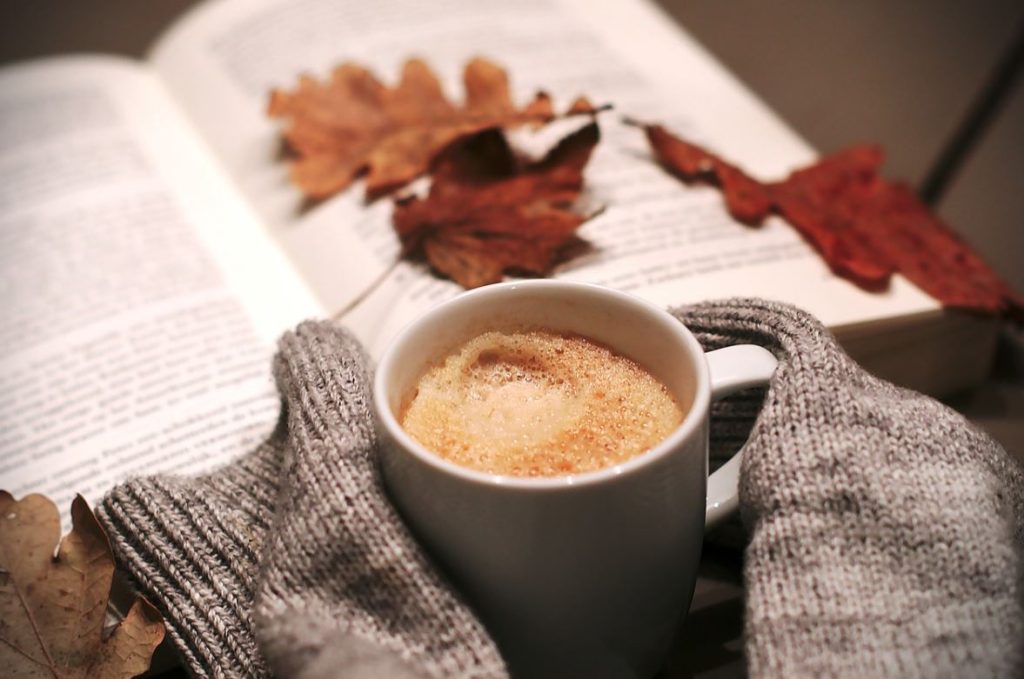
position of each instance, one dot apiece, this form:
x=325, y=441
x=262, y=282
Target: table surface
x=934, y=82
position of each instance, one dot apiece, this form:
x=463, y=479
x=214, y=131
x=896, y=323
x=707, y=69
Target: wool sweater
x=884, y=533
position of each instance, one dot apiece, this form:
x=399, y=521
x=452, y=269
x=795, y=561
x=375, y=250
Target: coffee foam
x=537, y=403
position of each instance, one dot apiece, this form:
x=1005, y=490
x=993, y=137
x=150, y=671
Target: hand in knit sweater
x=885, y=531
x=292, y=559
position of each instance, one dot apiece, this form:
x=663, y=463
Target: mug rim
x=675, y=440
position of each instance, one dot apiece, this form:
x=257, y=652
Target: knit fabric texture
x=886, y=533
x=291, y=561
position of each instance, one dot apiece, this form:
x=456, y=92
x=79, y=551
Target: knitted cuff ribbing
x=192, y=547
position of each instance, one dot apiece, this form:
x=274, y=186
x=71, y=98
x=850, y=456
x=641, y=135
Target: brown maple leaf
x=52, y=608
x=864, y=227
x=352, y=123
x=489, y=212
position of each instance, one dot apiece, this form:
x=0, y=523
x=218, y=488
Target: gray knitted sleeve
x=340, y=572
x=886, y=532
x=192, y=547
x=291, y=559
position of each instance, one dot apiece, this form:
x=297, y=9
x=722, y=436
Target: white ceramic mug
x=584, y=575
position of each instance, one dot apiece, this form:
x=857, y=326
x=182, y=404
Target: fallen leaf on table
x=351, y=123
x=52, y=609
x=863, y=226
x=489, y=212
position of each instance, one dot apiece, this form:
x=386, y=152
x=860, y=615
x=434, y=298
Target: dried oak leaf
x=352, y=123
x=864, y=227
x=52, y=608
x=489, y=212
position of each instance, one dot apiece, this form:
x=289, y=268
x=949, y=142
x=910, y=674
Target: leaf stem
x=37, y=661
x=35, y=630
x=337, y=316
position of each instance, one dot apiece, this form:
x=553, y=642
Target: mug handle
x=733, y=369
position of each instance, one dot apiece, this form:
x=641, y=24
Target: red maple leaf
x=863, y=226
x=489, y=212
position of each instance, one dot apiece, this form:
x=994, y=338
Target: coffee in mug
x=533, y=402
x=576, y=574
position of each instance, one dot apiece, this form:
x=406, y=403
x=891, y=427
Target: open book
x=152, y=247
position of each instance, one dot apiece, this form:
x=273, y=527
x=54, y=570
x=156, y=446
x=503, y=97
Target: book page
x=136, y=336
x=657, y=238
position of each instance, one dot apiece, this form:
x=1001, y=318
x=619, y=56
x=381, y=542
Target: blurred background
x=933, y=81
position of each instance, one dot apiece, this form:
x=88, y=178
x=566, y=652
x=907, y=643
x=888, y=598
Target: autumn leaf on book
x=863, y=226
x=352, y=123
x=52, y=607
x=490, y=212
